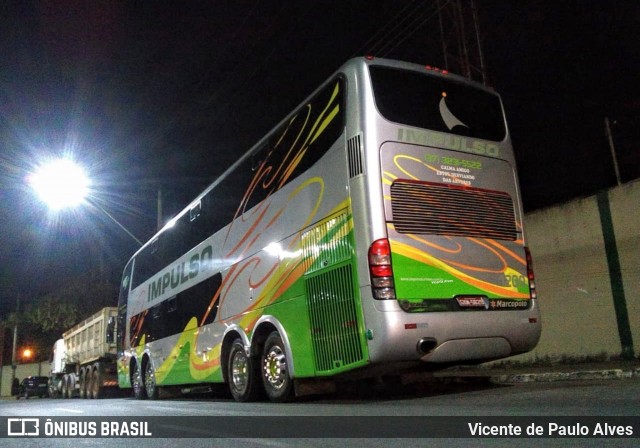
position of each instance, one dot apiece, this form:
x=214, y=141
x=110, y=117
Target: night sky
x=157, y=94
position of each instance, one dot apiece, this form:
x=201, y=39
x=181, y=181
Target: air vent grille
x=354, y=154
x=427, y=208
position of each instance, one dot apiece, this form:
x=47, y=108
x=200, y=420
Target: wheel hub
x=239, y=371
x=150, y=379
x=275, y=367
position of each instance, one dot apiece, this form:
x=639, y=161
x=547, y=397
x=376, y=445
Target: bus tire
x=150, y=386
x=275, y=370
x=242, y=374
x=139, y=392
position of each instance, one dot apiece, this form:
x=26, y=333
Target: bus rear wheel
x=275, y=370
x=139, y=391
x=150, y=386
x=242, y=373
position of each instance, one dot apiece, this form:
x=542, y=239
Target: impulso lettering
x=450, y=141
x=179, y=274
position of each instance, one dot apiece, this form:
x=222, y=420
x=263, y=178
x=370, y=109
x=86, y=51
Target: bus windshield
x=436, y=103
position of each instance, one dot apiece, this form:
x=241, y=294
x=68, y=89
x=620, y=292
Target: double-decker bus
x=376, y=230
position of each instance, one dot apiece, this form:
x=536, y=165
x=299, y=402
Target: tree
x=52, y=314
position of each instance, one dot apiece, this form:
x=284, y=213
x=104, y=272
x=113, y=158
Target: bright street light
x=27, y=353
x=60, y=184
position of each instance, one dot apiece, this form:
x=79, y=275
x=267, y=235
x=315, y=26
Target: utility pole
x=461, y=39
x=612, y=148
x=159, y=212
x=14, y=364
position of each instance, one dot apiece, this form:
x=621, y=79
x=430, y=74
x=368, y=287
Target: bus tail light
x=530, y=274
x=380, y=270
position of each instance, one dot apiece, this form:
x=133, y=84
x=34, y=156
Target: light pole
x=15, y=342
x=117, y=222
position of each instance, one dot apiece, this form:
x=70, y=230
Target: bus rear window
x=430, y=102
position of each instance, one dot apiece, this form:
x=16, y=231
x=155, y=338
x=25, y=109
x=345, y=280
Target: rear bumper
x=452, y=336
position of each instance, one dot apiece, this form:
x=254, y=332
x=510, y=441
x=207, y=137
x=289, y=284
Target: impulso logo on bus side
x=180, y=273
x=449, y=141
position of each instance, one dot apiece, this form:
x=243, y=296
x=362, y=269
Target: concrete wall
x=22, y=371
x=573, y=275
x=625, y=209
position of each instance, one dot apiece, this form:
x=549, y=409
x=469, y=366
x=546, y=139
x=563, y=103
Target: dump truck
x=83, y=362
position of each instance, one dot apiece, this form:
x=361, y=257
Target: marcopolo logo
x=23, y=427
x=508, y=304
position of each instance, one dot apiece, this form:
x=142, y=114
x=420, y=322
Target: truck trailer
x=83, y=362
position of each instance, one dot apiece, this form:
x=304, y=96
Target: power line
x=414, y=26
x=384, y=32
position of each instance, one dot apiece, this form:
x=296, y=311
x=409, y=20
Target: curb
x=610, y=374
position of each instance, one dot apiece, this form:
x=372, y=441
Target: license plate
x=472, y=302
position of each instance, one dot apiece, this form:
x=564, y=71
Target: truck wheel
x=96, y=384
x=63, y=387
x=138, y=386
x=242, y=374
x=83, y=383
x=275, y=371
x=90, y=384
x=70, y=386
x=150, y=386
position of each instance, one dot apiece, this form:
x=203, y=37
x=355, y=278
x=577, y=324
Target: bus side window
x=172, y=304
x=200, y=227
x=195, y=211
x=147, y=264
